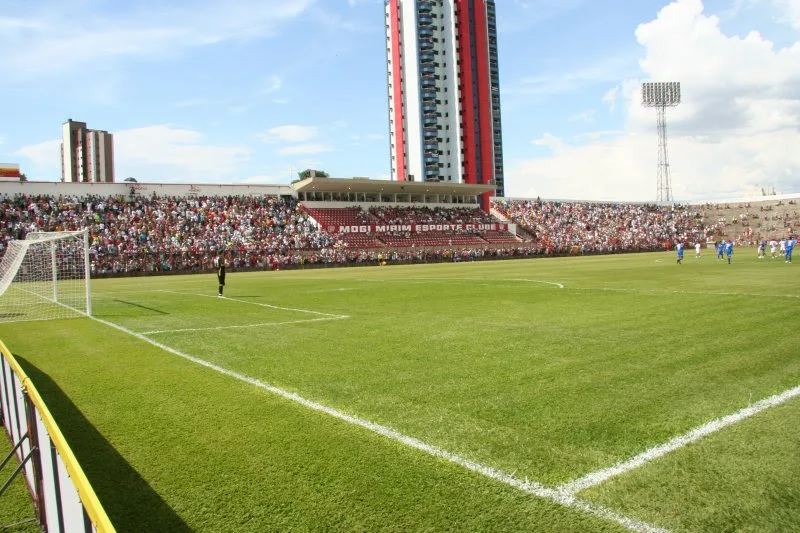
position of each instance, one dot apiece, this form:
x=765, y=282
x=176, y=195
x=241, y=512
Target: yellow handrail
x=85, y=491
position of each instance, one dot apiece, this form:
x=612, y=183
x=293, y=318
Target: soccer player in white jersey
x=773, y=246
x=783, y=246
x=697, y=248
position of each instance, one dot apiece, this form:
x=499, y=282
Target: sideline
x=599, y=476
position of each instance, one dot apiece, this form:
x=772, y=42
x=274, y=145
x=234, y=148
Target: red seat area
x=348, y=216
x=499, y=237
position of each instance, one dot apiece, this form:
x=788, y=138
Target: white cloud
x=62, y=37
x=9, y=24
x=305, y=148
x=737, y=128
x=289, y=133
x=261, y=179
x=610, y=97
x=165, y=153
x=571, y=81
x=523, y=14
x=272, y=85
x=550, y=141
x=43, y=160
x=789, y=12
x=159, y=153
x=584, y=116
x=199, y=102
x=295, y=140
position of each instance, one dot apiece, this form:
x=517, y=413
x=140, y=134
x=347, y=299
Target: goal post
x=46, y=276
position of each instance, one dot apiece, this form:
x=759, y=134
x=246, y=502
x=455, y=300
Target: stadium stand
x=179, y=234
x=330, y=219
x=752, y=221
x=605, y=227
x=349, y=216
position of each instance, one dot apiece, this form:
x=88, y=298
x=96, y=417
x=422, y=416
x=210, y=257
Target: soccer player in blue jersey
x=790, y=242
x=679, y=249
x=729, y=250
x=720, y=249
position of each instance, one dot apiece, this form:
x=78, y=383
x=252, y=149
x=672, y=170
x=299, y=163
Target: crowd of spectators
x=164, y=234
x=606, y=228
x=431, y=215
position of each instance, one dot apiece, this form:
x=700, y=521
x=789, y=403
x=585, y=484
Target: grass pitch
x=543, y=369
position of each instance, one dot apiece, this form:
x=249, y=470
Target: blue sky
x=254, y=90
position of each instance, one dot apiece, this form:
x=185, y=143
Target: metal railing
x=62, y=496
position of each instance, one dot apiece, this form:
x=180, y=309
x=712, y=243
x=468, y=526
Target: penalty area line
x=530, y=487
x=257, y=303
x=599, y=476
x=262, y=324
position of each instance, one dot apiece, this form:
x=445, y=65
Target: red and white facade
x=444, y=99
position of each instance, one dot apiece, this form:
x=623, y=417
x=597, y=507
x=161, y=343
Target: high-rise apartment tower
x=87, y=156
x=444, y=92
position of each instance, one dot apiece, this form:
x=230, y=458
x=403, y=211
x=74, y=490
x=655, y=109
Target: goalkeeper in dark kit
x=219, y=263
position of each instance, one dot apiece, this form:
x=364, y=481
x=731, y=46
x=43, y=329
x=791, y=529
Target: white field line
x=263, y=324
x=700, y=293
x=330, y=315
x=530, y=487
x=442, y=280
x=600, y=476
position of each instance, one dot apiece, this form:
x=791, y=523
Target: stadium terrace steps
x=769, y=219
x=331, y=218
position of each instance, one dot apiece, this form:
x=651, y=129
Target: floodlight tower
x=662, y=95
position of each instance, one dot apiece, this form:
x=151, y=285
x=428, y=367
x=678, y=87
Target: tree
x=312, y=173
x=23, y=178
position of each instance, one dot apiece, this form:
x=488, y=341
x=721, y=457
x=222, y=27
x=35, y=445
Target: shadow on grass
x=140, y=306
x=130, y=502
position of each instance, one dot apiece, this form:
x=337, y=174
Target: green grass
x=15, y=502
x=478, y=359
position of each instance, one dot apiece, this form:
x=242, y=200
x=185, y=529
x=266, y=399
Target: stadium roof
x=388, y=187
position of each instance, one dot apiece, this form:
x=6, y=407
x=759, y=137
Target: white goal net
x=45, y=277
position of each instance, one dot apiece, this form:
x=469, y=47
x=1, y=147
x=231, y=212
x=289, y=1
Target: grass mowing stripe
x=599, y=476
x=531, y=487
x=445, y=280
x=701, y=293
x=258, y=304
x=263, y=324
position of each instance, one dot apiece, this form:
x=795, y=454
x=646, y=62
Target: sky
x=253, y=91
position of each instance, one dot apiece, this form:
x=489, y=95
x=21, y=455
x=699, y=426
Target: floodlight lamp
x=661, y=94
